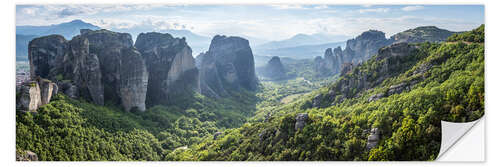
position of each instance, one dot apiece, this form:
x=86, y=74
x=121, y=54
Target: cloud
x=374, y=10
x=320, y=7
x=412, y=8
x=301, y=7
x=30, y=11
x=284, y=7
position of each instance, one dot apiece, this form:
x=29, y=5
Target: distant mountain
x=24, y=34
x=302, y=39
x=68, y=29
x=422, y=34
x=300, y=52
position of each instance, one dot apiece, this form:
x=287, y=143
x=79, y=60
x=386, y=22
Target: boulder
x=373, y=138
x=27, y=156
x=376, y=97
x=35, y=93
x=47, y=90
x=217, y=134
x=301, y=120
x=29, y=98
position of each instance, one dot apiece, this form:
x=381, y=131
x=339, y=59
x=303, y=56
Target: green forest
x=444, y=81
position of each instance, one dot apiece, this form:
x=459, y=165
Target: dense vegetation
x=476, y=35
x=261, y=125
x=452, y=90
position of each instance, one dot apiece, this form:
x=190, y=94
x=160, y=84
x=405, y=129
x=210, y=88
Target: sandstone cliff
x=353, y=81
x=357, y=50
x=227, y=65
x=96, y=65
x=170, y=64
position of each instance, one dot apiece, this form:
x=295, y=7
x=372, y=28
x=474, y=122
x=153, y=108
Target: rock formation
x=170, y=64
x=274, y=69
x=373, y=138
x=45, y=55
x=26, y=156
x=391, y=57
x=422, y=34
x=35, y=93
x=95, y=65
x=357, y=50
x=366, y=45
x=227, y=65
x=301, y=120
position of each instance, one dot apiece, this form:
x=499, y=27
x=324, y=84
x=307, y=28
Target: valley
x=102, y=96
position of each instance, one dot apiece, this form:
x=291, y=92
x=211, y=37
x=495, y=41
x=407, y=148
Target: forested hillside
x=448, y=84
x=386, y=108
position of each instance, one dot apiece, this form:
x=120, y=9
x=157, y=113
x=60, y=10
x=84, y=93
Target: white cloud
x=375, y=10
x=412, y=8
x=30, y=11
x=320, y=7
x=281, y=7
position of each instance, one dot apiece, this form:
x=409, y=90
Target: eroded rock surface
x=35, y=93
x=373, y=138
x=228, y=65
x=95, y=65
x=301, y=120
x=170, y=64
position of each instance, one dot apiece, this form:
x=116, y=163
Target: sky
x=268, y=22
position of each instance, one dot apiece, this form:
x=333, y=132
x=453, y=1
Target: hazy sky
x=270, y=22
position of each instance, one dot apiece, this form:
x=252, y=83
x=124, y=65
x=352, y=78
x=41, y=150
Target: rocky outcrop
x=366, y=45
x=301, y=120
x=274, y=69
x=216, y=135
x=133, y=80
x=170, y=64
x=422, y=34
x=26, y=156
x=353, y=80
x=227, y=65
x=357, y=50
x=46, y=55
x=373, y=138
x=35, y=93
x=94, y=65
x=84, y=70
x=29, y=97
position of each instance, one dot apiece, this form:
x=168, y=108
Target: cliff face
x=391, y=60
x=228, y=65
x=95, y=65
x=366, y=45
x=170, y=64
x=357, y=50
x=46, y=54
